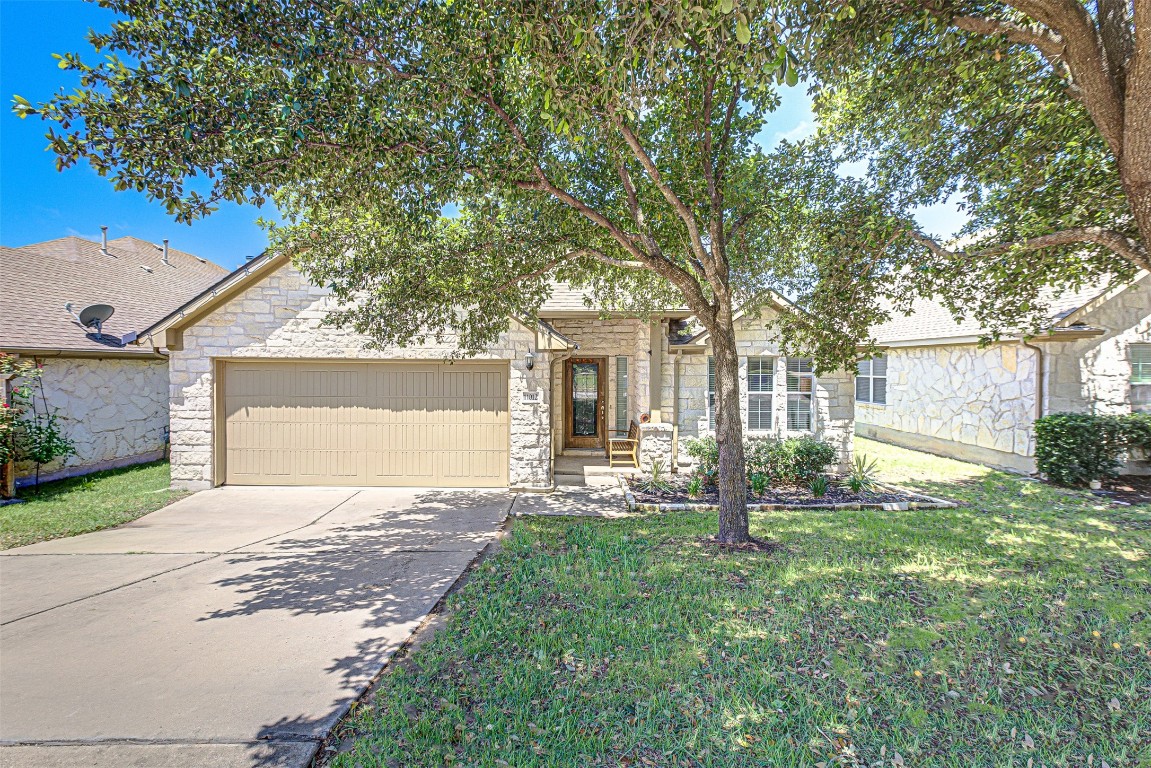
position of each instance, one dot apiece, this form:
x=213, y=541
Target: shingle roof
x=565, y=299
x=41, y=278
x=929, y=319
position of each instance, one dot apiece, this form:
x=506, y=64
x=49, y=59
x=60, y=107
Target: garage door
x=323, y=423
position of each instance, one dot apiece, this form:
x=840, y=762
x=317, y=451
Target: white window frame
x=867, y=376
x=622, y=418
x=761, y=390
x=710, y=403
x=800, y=369
x=1140, y=358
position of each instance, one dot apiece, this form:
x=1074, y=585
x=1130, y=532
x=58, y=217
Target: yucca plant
x=864, y=474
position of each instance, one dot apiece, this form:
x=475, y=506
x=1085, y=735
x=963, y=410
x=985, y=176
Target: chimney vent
x=104, y=240
x=165, y=258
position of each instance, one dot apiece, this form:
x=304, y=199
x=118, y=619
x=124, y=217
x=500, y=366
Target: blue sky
x=38, y=203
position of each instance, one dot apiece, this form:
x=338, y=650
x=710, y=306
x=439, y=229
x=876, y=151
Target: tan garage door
x=324, y=423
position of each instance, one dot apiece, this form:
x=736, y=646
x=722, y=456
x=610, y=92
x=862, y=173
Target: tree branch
x=662, y=266
x=1116, y=242
x=669, y=194
x=553, y=263
x=1047, y=42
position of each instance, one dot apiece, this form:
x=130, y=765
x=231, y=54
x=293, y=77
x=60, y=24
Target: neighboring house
x=936, y=388
x=264, y=393
x=111, y=396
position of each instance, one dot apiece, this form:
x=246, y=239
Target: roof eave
x=167, y=332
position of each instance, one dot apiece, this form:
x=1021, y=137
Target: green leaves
x=22, y=107
x=742, y=29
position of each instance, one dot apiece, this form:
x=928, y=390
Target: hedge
x=1076, y=448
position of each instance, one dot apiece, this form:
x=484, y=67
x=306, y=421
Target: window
x=760, y=384
x=871, y=381
x=621, y=420
x=711, y=393
x=1141, y=378
x=800, y=388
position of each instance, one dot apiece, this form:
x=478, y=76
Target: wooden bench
x=623, y=450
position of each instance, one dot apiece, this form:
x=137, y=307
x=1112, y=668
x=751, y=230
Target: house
x=111, y=395
x=264, y=393
x=937, y=388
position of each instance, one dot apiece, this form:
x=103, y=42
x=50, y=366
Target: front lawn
x=84, y=504
x=1010, y=631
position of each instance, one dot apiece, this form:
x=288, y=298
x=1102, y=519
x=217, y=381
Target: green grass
x=84, y=504
x=1011, y=631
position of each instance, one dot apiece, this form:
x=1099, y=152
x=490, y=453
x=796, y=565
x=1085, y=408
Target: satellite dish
x=95, y=316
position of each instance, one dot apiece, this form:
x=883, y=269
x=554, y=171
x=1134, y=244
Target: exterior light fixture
x=530, y=360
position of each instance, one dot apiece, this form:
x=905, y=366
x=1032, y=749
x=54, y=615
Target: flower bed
x=782, y=497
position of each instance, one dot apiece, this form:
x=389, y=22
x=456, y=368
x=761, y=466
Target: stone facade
x=115, y=411
x=612, y=338
x=979, y=403
x=970, y=402
x=833, y=403
x=280, y=317
x=1095, y=374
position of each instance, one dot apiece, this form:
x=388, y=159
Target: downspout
x=1040, y=375
x=552, y=402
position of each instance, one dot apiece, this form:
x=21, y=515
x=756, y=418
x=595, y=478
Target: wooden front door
x=585, y=395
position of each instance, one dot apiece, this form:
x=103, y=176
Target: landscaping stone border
x=921, y=501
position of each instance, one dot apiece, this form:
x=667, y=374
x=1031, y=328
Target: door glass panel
x=585, y=399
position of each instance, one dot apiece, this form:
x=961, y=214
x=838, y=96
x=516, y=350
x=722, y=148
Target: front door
x=585, y=392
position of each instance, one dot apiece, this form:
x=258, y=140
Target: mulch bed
x=791, y=495
x=1129, y=489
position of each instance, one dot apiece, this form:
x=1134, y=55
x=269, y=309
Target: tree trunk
x=1135, y=162
x=732, y=478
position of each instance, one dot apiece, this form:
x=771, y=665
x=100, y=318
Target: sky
x=39, y=203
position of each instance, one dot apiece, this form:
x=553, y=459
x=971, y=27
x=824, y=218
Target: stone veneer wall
x=610, y=338
x=962, y=400
x=114, y=409
x=833, y=406
x=1095, y=374
x=280, y=317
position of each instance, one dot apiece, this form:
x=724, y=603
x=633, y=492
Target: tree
x=1038, y=112
x=607, y=143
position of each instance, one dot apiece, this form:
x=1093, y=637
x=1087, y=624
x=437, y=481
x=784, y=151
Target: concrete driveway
x=232, y=628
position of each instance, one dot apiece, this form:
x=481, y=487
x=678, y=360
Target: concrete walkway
x=232, y=628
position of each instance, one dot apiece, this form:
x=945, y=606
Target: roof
x=40, y=279
x=566, y=300
x=931, y=322
x=167, y=331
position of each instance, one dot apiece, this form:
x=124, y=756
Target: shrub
x=802, y=459
x=761, y=456
x=1137, y=431
x=1076, y=448
x=795, y=461
x=705, y=451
